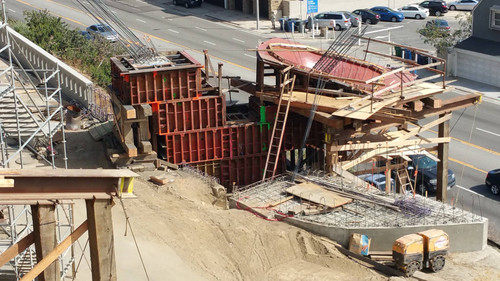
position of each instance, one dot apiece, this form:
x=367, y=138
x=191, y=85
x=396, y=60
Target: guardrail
x=73, y=85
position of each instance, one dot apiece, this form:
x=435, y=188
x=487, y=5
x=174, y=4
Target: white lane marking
x=385, y=29
x=200, y=28
x=253, y=57
x=113, y=12
x=466, y=189
x=483, y=130
x=140, y=20
x=170, y=19
x=174, y=31
x=11, y=10
x=208, y=42
x=236, y=39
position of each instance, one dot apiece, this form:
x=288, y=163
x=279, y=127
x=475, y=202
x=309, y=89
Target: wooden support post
x=44, y=227
x=260, y=75
x=143, y=133
x=388, y=183
x=101, y=240
x=442, y=171
x=219, y=78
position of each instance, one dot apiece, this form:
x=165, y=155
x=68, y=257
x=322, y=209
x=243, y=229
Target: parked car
x=335, y=20
x=377, y=180
x=388, y=14
x=466, y=5
x=439, y=24
x=85, y=34
x=426, y=179
x=367, y=16
x=355, y=19
x=493, y=181
x=414, y=11
x=188, y=3
x=103, y=31
x=436, y=8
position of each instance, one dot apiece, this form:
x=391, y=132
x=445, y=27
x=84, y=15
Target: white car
x=466, y=5
x=414, y=11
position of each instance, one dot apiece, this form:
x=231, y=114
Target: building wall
x=474, y=66
x=481, y=21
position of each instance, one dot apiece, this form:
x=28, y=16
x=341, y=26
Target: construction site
x=315, y=120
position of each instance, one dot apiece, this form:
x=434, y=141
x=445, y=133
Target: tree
x=442, y=40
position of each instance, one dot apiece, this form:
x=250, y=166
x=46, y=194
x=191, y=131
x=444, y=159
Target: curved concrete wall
x=463, y=237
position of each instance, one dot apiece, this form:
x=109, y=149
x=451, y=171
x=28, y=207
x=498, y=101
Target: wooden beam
x=442, y=168
x=44, y=229
x=433, y=102
x=52, y=256
x=17, y=248
x=101, y=242
x=406, y=136
x=395, y=143
x=128, y=112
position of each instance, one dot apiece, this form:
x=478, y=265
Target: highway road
x=475, y=132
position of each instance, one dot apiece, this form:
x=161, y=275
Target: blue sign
x=312, y=6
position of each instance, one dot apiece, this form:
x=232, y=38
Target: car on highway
x=334, y=20
x=425, y=178
x=465, y=5
x=493, y=181
x=436, y=8
x=102, y=31
x=85, y=34
x=414, y=11
x=388, y=14
x=367, y=16
x=355, y=19
x=188, y=3
x=377, y=180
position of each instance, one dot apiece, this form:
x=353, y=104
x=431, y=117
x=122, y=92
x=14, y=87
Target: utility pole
x=257, y=7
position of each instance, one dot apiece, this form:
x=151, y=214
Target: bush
x=56, y=37
x=443, y=40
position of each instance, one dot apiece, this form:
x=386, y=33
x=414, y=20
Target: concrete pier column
x=442, y=171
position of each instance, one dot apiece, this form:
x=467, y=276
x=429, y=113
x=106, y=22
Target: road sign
x=312, y=6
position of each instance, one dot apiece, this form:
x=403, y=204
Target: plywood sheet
x=317, y=194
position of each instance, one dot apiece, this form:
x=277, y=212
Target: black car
x=493, y=181
x=188, y=3
x=436, y=8
x=426, y=179
x=367, y=16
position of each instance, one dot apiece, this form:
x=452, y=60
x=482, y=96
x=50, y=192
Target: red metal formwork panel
x=189, y=147
x=194, y=114
x=147, y=85
x=246, y=139
x=245, y=170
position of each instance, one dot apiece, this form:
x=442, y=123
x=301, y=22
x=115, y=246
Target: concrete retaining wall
x=467, y=237
x=463, y=237
x=74, y=85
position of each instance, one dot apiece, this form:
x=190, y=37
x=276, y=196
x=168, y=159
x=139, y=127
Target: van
x=332, y=20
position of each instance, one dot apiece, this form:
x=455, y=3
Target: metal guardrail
x=74, y=85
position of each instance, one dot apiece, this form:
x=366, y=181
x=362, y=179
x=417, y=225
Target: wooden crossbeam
x=54, y=254
x=17, y=248
x=411, y=133
x=397, y=143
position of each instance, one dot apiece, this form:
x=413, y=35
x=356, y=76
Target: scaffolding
x=31, y=112
x=31, y=119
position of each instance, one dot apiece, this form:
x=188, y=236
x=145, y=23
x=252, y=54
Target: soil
x=184, y=232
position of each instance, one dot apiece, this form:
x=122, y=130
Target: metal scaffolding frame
x=31, y=111
x=18, y=223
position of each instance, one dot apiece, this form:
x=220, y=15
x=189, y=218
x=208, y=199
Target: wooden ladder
x=404, y=180
x=274, y=149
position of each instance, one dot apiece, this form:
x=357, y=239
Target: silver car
x=355, y=19
x=466, y=5
x=335, y=20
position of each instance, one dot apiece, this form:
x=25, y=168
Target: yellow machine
x=427, y=249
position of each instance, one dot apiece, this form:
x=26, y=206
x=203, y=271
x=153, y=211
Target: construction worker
x=273, y=18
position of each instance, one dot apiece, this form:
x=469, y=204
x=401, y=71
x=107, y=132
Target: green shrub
x=56, y=37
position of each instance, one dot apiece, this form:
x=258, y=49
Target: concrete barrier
x=74, y=86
